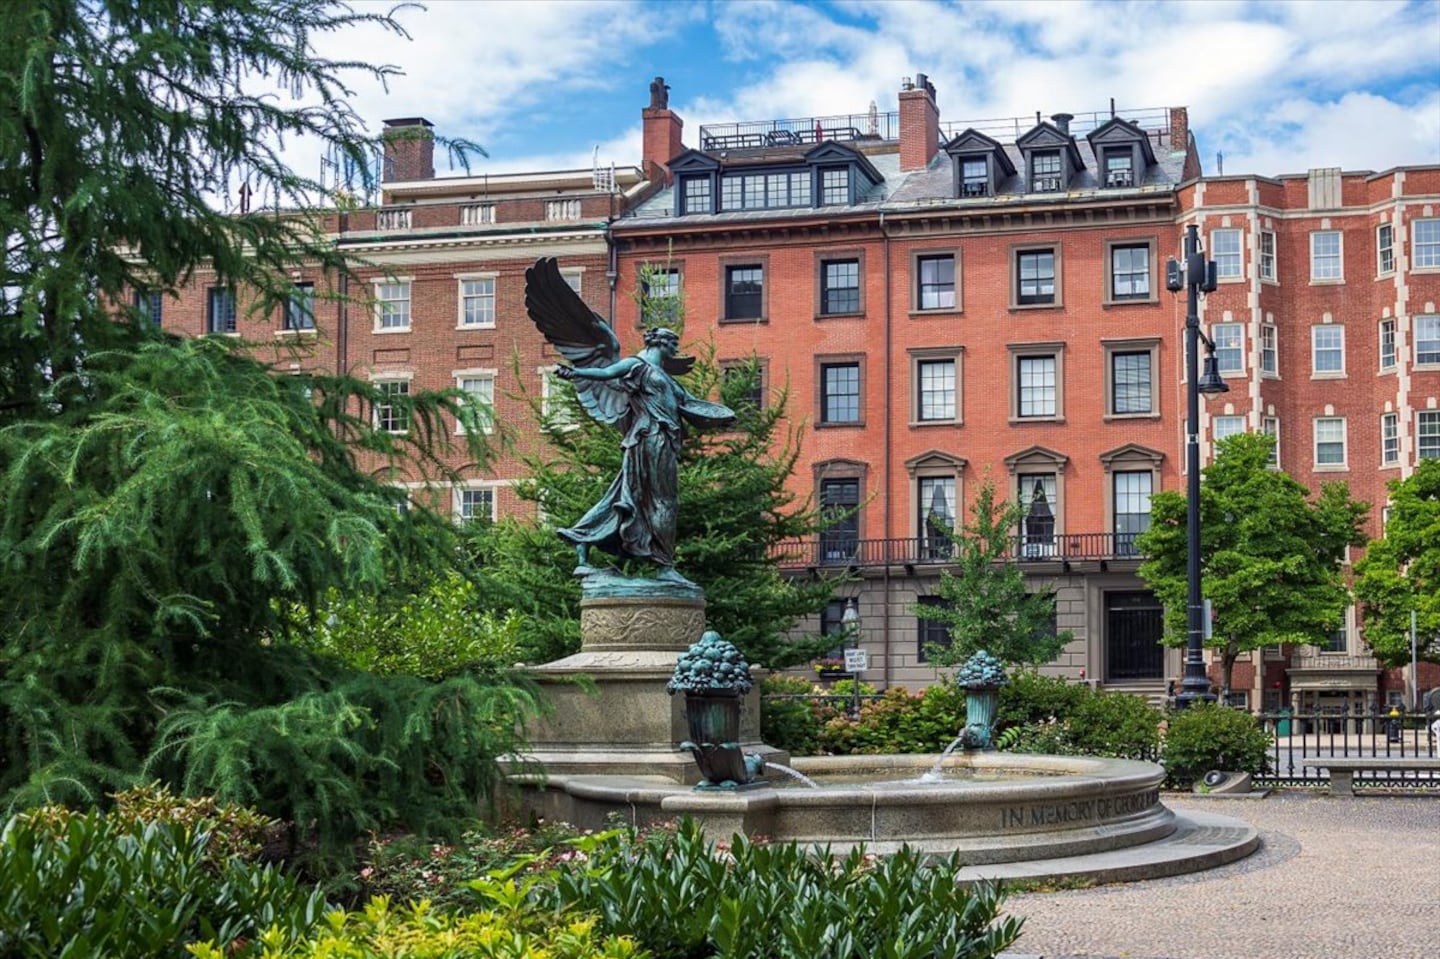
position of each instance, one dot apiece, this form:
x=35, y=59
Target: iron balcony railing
x=841, y=549
x=762, y=134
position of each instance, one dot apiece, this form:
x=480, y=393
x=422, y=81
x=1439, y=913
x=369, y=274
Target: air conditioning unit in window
x=1047, y=184
x=1119, y=178
x=974, y=189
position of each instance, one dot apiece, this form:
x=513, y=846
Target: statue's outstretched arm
x=611, y=372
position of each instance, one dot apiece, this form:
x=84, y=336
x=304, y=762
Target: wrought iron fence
x=1314, y=736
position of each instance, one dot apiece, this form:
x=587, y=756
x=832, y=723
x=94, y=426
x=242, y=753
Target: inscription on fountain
x=1076, y=811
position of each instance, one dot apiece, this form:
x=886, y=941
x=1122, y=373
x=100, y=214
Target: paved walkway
x=1333, y=879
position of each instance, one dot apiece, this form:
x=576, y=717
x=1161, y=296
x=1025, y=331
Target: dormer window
x=835, y=186
x=695, y=193
x=975, y=177
x=1045, y=172
x=1119, y=167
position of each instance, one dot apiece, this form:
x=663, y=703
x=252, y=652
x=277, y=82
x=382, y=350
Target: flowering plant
x=830, y=665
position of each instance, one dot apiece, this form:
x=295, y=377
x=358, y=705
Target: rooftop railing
x=1153, y=120
x=801, y=131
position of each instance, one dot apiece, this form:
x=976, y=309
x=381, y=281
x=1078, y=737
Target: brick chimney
x=662, y=133
x=1181, y=142
x=919, y=123
x=409, y=150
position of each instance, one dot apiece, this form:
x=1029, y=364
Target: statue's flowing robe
x=635, y=519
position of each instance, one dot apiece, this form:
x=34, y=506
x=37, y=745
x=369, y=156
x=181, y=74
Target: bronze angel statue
x=635, y=519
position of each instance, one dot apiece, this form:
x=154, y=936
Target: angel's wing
x=579, y=333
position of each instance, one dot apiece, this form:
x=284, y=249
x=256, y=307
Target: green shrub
x=1120, y=725
x=789, y=724
x=372, y=753
x=1032, y=697
x=681, y=898
x=899, y=722
x=234, y=831
x=1207, y=736
x=512, y=930
x=90, y=885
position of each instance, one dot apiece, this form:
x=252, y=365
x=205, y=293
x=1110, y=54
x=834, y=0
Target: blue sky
x=1279, y=87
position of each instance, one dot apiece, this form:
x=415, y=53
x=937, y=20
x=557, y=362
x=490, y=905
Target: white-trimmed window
x=1425, y=244
x=552, y=410
x=562, y=210
x=1325, y=261
x=1390, y=439
x=1269, y=349
x=1388, y=357
x=1329, y=441
x=390, y=417
x=1270, y=426
x=572, y=279
x=1384, y=249
x=1131, y=507
x=479, y=389
x=1327, y=350
x=477, y=302
x=1222, y=427
x=1038, y=494
x=1267, y=255
x=1225, y=251
x=935, y=519
x=1132, y=382
x=392, y=305
x=1229, y=347
x=475, y=503
x=477, y=214
x=1427, y=434
x=1427, y=340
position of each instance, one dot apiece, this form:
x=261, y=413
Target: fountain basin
x=991, y=807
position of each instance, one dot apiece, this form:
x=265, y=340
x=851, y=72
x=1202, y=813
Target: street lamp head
x=850, y=619
x=1210, y=381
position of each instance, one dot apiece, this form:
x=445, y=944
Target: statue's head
x=661, y=337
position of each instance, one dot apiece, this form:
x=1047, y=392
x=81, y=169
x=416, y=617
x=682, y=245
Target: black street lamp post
x=1198, y=276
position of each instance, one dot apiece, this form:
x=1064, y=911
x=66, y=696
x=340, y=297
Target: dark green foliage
x=681, y=899
x=1401, y=571
x=734, y=512
x=987, y=603
x=1032, y=697
x=899, y=722
x=366, y=754
x=1270, y=557
x=103, y=887
x=1074, y=720
x=1207, y=736
x=791, y=724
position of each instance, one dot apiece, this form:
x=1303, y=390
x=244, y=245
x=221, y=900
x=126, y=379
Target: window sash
x=1389, y=439
x=1329, y=441
x=840, y=287
x=937, y=389
x=1267, y=255
x=1130, y=272
x=1427, y=435
x=480, y=391
x=840, y=393
x=1037, y=382
x=937, y=282
x=1035, y=276
x=1269, y=349
x=393, y=301
x=975, y=177
x=1426, y=243
x=1427, y=339
x=1225, y=251
x=839, y=508
x=1270, y=426
x=477, y=299
x=1388, y=356
x=477, y=504
x=1385, y=248
x=744, y=291
x=1037, y=530
x=1328, y=349
x=1229, y=347
x=300, y=307
x=834, y=187
x=1222, y=427
x=388, y=417
x=150, y=304
x=697, y=194
x=1325, y=255
x=1046, y=164
x=1131, y=507
x=1130, y=382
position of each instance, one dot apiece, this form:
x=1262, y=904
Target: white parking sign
x=856, y=660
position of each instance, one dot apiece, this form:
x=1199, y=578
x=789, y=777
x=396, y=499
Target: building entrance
x=1134, y=624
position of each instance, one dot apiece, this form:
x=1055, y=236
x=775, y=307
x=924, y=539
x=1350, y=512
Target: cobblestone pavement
x=1333, y=879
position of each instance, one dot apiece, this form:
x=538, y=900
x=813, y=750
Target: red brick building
x=944, y=302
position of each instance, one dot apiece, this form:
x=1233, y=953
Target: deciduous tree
x=1401, y=571
x=1270, y=556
